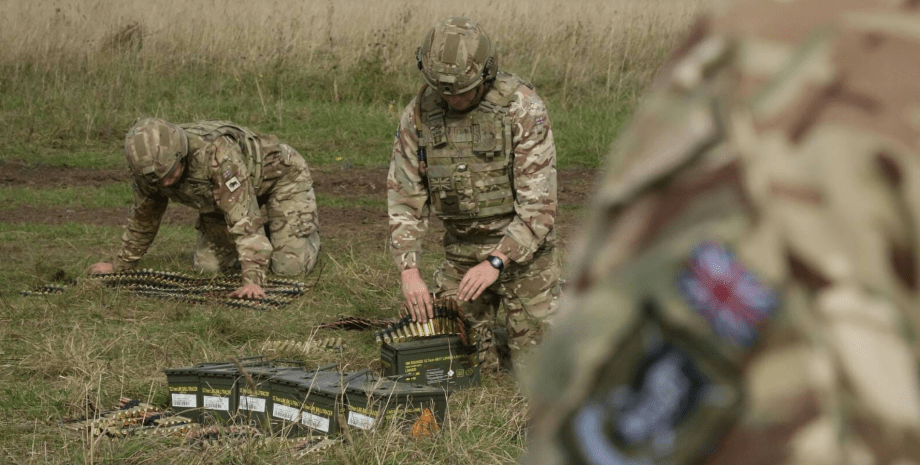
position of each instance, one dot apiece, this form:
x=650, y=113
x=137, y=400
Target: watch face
x=496, y=262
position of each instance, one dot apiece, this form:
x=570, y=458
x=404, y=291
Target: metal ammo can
x=441, y=361
x=255, y=400
x=373, y=401
x=206, y=391
x=307, y=402
x=184, y=394
x=217, y=385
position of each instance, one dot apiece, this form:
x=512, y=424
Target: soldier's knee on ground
x=294, y=261
x=206, y=262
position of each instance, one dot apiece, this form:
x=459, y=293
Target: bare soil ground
x=575, y=187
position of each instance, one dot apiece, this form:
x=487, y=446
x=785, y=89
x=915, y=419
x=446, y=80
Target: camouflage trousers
x=286, y=194
x=529, y=294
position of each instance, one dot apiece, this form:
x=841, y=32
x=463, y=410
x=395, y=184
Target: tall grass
x=75, y=74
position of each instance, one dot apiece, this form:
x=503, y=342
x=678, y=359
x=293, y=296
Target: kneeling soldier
x=226, y=172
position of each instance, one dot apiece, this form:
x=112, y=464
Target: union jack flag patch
x=734, y=301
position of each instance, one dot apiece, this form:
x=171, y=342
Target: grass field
x=330, y=78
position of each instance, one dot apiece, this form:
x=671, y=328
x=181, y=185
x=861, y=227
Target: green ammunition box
x=372, y=402
x=211, y=383
x=219, y=396
x=308, y=402
x=438, y=361
x=184, y=391
x=255, y=402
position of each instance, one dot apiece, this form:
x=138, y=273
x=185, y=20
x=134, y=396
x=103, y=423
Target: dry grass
x=607, y=43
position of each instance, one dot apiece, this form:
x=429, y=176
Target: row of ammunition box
x=290, y=401
x=448, y=319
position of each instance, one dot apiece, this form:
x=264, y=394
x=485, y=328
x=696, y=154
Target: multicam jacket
x=222, y=174
x=489, y=173
x=747, y=288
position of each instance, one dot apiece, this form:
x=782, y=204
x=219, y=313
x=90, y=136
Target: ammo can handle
x=326, y=367
x=257, y=358
x=355, y=376
x=290, y=361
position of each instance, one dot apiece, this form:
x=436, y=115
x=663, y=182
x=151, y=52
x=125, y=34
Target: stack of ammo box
x=291, y=401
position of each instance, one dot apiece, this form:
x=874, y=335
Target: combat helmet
x=456, y=56
x=153, y=147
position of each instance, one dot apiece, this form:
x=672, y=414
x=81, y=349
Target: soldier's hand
x=249, y=291
x=101, y=268
x=417, y=297
x=475, y=281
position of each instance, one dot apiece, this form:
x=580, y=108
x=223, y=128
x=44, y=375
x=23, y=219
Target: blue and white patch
x=233, y=184
x=734, y=301
x=667, y=386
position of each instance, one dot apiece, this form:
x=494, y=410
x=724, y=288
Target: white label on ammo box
x=285, y=412
x=315, y=422
x=255, y=404
x=217, y=403
x=184, y=400
x=360, y=421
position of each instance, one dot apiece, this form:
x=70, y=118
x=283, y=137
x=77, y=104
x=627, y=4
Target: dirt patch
x=575, y=187
x=22, y=175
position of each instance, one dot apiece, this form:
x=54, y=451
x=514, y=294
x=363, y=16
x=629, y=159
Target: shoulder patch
x=732, y=299
x=233, y=184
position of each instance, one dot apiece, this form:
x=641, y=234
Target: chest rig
x=469, y=156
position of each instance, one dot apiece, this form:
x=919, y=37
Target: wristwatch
x=496, y=262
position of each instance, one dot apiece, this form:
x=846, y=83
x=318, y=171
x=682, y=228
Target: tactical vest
x=469, y=156
x=253, y=146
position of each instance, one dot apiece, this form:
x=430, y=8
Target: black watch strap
x=496, y=262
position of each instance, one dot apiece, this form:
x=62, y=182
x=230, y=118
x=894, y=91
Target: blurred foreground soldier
x=747, y=290
x=475, y=146
x=226, y=172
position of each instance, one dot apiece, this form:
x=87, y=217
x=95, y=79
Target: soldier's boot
x=502, y=349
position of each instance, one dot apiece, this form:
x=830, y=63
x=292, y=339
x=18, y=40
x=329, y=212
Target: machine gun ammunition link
x=298, y=348
x=448, y=319
x=176, y=286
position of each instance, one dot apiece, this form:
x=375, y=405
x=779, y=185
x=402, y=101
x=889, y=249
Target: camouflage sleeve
x=235, y=196
x=407, y=195
x=142, y=226
x=746, y=288
x=534, y=178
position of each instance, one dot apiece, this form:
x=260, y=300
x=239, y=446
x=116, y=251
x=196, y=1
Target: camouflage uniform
x=747, y=288
x=490, y=175
x=230, y=173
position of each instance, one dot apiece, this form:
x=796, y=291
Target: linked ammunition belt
x=448, y=319
x=132, y=417
x=355, y=323
x=177, y=286
x=295, y=348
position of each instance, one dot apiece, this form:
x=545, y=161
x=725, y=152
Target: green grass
x=108, y=196
x=92, y=345
x=80, y=120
